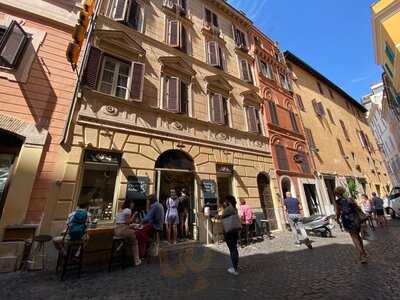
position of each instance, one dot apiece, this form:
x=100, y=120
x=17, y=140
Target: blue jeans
x=231, y=239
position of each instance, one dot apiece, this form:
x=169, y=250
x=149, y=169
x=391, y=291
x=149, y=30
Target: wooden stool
x=67, y=259
x=118, y=253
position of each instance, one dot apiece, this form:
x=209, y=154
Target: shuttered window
x=284, y=81
x=176, y=95
x=320, y=88
x=318, y=108
x=137, y=81
x=92, y=68
x=300, y=103
x=253, y=119
x=265, y=69
x=246, y=71
x=219, y=109
x=363, y=139
x=345, y=132
x=215, y=55
x=310, y=138
x=127, y=11
x=240, y=37
x=292, y=116
x=340, y=145
x=330, y=116
x=273, y=113
x=305, y=165
x=12, y=45
x=174, y=33
x=211, y=18
x=281, y=157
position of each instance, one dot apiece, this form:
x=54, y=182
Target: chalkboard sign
x=209, y=189
x=137, y=188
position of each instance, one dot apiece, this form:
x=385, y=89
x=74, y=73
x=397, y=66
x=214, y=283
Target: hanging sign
x=137, y=188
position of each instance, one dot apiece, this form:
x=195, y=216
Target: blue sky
x=333, y=36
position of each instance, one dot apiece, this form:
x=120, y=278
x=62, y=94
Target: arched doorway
x=175, y=170
x=267, y=204
x=10, y=146
x=286, y=186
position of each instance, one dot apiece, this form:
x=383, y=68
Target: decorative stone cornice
x=177, y=64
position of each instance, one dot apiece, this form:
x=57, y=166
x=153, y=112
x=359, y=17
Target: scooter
x=319, y=225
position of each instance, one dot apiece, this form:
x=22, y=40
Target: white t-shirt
x=123, y=216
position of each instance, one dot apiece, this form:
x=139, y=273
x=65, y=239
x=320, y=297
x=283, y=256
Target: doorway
x=267, y=204
x=286, y=186
x=312, y=201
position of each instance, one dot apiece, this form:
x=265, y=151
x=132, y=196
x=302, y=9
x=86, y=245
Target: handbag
x=231, y=223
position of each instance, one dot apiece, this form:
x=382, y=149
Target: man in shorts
x=379, y=211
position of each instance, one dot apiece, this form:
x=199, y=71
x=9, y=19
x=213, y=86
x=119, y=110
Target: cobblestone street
x=273, y=269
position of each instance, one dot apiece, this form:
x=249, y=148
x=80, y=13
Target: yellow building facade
x=168, y=107
x=342, y=144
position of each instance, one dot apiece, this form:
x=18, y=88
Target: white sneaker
x=233, y=272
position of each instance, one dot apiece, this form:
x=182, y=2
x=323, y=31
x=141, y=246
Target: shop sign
x=226, y=169
x=102, y=157
x=137, y=188
x=209, y=189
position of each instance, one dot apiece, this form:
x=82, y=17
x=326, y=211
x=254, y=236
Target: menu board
x=137, y=188
x=209, y=188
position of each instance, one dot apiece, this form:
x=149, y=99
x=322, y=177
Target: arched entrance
x=175, y=170
x=267, y=204
x=286, y=186
x=10, y=146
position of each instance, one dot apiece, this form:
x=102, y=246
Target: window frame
x=111, y=8
x=164, y=93
x=249, y=70
x=269, y=74
x=225, y=109
x=259, y=124
x=21, y=47
x=220, y=55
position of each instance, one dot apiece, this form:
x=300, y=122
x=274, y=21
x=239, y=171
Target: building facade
x=343, y=148
x=386, y=130
x=281, y=117
x=168, y=101
x=36, y=87
x=386, y=36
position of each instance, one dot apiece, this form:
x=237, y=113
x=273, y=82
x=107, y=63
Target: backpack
x=77, y=225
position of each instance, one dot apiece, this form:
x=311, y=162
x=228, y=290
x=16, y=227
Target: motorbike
x=319, y=225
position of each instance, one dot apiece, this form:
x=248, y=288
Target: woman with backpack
x=124, y=218
x=348, y=217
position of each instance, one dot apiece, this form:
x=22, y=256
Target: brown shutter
x=330, y=116
x=321, y=109
x=293, y=121
x=341, y=149
x=172, y=95
x=217, y=109
x=90, y=75
x=173, y=33
x=252, y=119
x=273, y=113
x=134, y=13
x=300, y=102
x=184, y=45
x=237, y=36
x=184, y=109
x=245, y=70
x=281, y=157
x=137, y=81
x=305, y=166
x=346, y=134
x=120, y=10
x=213, y=53
x=12, y=44
x=315, y=106
x=310, y=138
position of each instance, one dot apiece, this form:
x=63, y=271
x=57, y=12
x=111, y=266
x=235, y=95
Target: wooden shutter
x=362, y=138
x=110, y=8
x=252, y=119
x=120, y=10
x=244, y=66
x=173, y=33
x=330, y=116
x=172, y=94
x=90, y=75
x=346, y=134
x=225, y=111
x=305, y=166
x=184, y=45
x=221, y=57
x=310, y=138
x=236, y=34
x=217, y=109
x=341, y=149
x=137, y=81
x=213, y=53
x=281, y=157
x=321, y=109
x=300, y=102
x=293, y=121
x=13, y=44
x=134, y=15
x=208, y=16
x=273, y=113
x=184, y=109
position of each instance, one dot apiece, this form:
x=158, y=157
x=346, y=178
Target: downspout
x=67, y=127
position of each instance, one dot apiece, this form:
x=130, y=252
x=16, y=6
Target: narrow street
x=273, y=269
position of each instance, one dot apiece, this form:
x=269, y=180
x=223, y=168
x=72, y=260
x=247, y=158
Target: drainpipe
x=81, y=67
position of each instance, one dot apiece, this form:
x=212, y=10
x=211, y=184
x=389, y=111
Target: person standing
x=123, y=220
x=348, y=218
x=232, y=236
x=246, y=217
x=183, y=210
x=172, y=216
x=379, y=211
x=295, y=217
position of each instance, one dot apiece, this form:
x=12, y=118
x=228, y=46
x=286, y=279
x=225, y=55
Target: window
x=284, y=81
x=345, y=132
x=127, y=11
x=305, y=166
x=310, y=138
x=292, y=116
x=240, y=38
x=13, y=41
x=265, y=69
x=253, y=119
x=177, y=35
x=318, y=108
x=211, y=19
x=330, y=116
x=116, y=77
x=215, y=55
x=176, y=4
x=300, y=103
x=363, y=139
x=219, y=109
x=341, y=149
x=257, y=41
x=281, y=157
x=321, y=91
x=175, y=95
x=245, y=71
x=273, y=113
x=330, y=93
x=389, y=53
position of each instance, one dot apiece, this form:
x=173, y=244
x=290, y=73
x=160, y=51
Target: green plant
x=351, y=184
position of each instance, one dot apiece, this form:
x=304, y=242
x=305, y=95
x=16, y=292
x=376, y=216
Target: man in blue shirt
x=294, y=214
x=155, y=215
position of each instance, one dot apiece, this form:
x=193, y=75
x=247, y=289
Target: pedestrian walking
x=231, y=224
x=295, y=217
x=379, y=211
x=368, y=208
x=183, y=210
x=172, y=216
x=348, y=217
x=246, y=217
